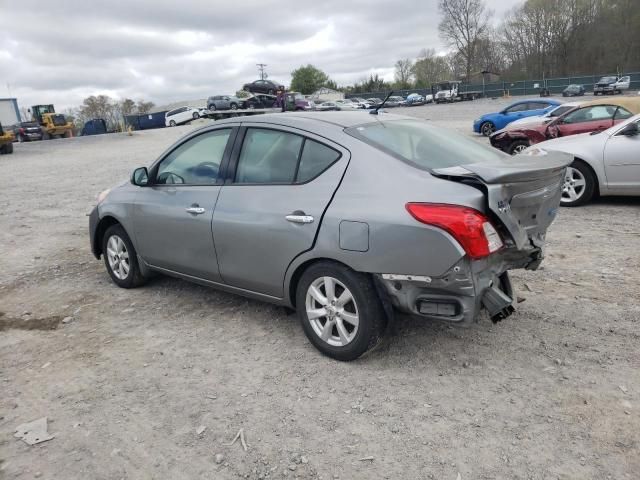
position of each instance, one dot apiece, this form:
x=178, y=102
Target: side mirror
x=630, y=130
x=140, y=177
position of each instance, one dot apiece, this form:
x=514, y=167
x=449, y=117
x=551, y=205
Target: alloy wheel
x=574, y=185
x=488, y=129
x=519, y=148
x=332, y=311
x=118, y=257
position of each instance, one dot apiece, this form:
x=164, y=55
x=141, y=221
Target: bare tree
x=404, y=72
x=430, y=68
x=463, y=25
x=144, y=107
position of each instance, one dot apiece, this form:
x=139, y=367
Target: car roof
x=344, y=119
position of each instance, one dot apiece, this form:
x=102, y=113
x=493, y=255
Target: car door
x=225, y=104
x=622, y=161
x=172, y=215
x=279, y=184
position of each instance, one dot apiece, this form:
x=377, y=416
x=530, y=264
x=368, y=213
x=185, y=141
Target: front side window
x=521, y=107
x=195, y=162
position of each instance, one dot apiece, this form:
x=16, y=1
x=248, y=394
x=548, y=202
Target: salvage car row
x=601, y=136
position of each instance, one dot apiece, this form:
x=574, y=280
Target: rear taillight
x=469, y=227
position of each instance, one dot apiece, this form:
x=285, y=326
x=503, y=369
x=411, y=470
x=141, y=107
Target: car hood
x=563, y=142
x=528, y=121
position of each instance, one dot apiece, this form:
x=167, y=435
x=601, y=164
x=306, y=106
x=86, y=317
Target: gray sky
x=62, y=52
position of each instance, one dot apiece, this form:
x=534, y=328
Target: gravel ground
x=131, y=378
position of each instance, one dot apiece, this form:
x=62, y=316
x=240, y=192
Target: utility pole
x=261, y=68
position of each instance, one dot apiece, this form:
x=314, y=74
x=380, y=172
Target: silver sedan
x=604, y=163
x=346, y=217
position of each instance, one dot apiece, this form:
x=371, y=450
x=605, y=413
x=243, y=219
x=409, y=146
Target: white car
x=605, y=163
x=347, y=103
x=540, y=119
x=181, y=115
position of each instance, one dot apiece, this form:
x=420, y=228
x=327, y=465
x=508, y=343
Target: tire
x=595, y=94
x=362, y=304
x=518, y=146
x=195, y=115
x=212, y=108
x=124, y=272
x=172, y=123
x=578, y=175
x=487, y=128
x=564, y=94
x=234, y=106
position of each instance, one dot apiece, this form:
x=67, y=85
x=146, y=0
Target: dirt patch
x=29, y=323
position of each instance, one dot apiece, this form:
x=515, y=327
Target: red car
x=589, y=117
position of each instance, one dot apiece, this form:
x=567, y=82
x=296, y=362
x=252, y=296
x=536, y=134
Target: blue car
x=490, y=122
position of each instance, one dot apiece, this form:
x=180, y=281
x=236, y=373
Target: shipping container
x=9, y=112
x=145, y=121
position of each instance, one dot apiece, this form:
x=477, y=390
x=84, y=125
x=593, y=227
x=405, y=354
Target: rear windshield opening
x=423, y=145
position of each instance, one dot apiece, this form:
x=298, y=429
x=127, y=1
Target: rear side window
x=423, y=145
x=276, y=157
x=268, y=156
x=622, y=114
x=315, y=159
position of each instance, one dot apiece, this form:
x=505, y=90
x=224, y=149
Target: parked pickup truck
x=611, y=85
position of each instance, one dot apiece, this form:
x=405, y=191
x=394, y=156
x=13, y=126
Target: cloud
x=61, y=52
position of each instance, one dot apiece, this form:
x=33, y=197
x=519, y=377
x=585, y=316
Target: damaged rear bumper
x=461, y=293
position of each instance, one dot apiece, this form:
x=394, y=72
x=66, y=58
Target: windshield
x=423, y=145
x=607, y=80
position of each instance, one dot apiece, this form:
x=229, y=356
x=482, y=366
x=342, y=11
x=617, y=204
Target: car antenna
x=375, y=110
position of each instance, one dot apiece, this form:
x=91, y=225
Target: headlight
x=102, y=195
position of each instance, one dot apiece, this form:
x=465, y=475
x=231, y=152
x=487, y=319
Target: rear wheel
x=487, y=128
x=234, y=106
x=120, y=258
x=518, y=146
x=579, y=185
x=212, y=107
x=340, y=310
x=196, y=115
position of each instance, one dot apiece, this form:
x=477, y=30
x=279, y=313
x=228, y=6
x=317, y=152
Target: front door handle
x=195, y=210
x=299, y=218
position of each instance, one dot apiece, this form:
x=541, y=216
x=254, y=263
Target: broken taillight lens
x=469, y=227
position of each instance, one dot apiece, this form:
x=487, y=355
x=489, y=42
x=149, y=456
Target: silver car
x=604, y=163
x=346, y=217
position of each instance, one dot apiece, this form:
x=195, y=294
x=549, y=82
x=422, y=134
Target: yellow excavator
x=6, y=141
x=54, y=125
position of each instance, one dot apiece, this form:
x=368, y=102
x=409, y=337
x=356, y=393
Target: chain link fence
x=521, y=87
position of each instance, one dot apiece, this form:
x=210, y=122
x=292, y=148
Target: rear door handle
x=299, y=218
x=195, y=210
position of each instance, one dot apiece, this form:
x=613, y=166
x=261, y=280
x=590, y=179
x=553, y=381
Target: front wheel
x=172, y=123
x=579, y=185
x=518, y=146
x=195, y=115
x=234, y=106
x=120, y=258
x=487, y=128
x=340, y=310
